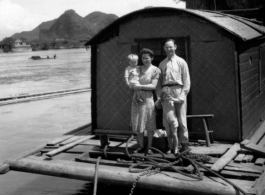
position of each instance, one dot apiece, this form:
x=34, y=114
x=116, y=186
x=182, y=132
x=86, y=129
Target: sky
x=25, y=15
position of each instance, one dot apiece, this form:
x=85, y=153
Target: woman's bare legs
x=150, y=135
x=140, y=139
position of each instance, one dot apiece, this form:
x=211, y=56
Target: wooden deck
x=75, y=155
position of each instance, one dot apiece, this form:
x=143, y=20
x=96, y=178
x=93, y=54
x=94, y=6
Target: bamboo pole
x=169, y=182
x=68, y=146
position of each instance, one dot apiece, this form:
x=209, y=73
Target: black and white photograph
x=132, y=97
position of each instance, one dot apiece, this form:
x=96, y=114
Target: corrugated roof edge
x=246, y=21
x=114, y=25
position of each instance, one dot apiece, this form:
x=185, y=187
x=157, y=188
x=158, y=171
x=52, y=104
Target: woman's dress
x=143, y=116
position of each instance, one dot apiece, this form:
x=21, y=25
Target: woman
x=143, y=113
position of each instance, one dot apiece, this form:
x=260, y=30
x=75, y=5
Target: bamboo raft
x=75, y=155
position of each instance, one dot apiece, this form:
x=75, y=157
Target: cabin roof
x=242, y=28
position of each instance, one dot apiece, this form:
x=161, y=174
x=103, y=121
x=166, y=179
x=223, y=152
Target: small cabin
x=226, y=59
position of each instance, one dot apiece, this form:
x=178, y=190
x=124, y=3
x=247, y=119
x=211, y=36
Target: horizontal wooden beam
x=201, y=116
x=170, y=183
x=112, y=132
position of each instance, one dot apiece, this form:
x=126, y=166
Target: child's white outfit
x=132, y=73
x=170, y=120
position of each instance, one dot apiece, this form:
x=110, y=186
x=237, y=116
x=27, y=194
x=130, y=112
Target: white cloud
x=14, y=18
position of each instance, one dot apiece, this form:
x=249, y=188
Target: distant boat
x=39, y=58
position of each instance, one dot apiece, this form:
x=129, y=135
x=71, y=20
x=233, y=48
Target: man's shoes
x=139, y=150
x=184, y=147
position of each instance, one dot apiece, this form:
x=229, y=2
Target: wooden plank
x=226, y=158
x=66, y=147
x=251, y=124
x=249, y=73
x=121, y=176
x=250, y=97
x=249, y=81
x=239, y=165
x=246, y=144
x=240, y=156
x=248, y=158
x=260, y=161
x=259, y=187
x=70, y=140
x=246, y=92
x=246, y=56
x=251, y=109
x=247, y=65
x=78, y=131
x=239, y=169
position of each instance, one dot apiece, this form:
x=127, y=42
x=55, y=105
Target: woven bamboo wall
x=214, y=87
x=212, y=67
x=113, y=96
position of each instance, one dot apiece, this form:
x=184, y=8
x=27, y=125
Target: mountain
x=34, y=34
x=69, y=26
x=98, y=20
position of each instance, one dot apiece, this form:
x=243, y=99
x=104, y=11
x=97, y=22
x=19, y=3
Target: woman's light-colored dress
x=143, y=116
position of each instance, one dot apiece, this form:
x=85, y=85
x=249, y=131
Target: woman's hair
x=165, y=91
x=147, y=51
x=133, y=57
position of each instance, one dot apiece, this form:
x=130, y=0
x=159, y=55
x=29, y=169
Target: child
x=170, y=121
x=132, y=76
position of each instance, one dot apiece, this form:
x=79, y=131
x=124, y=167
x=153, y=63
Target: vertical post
x=206, y=132
x=104, y=140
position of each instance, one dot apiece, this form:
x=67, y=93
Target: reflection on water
x=19, y=75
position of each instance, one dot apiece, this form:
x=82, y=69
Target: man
x=175, y=75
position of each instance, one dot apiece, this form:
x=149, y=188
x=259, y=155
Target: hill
x=98, y=20
x=34, y=34
x=69, y=26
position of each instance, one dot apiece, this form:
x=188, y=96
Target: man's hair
x=165, y=91
x=147, y=51
x=133, y=57
x=168, y=40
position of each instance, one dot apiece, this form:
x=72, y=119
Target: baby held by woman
x=132, y=76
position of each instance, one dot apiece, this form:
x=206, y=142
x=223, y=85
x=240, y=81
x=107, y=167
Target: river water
x=21, y=76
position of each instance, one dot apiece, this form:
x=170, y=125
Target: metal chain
x=145, y=173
